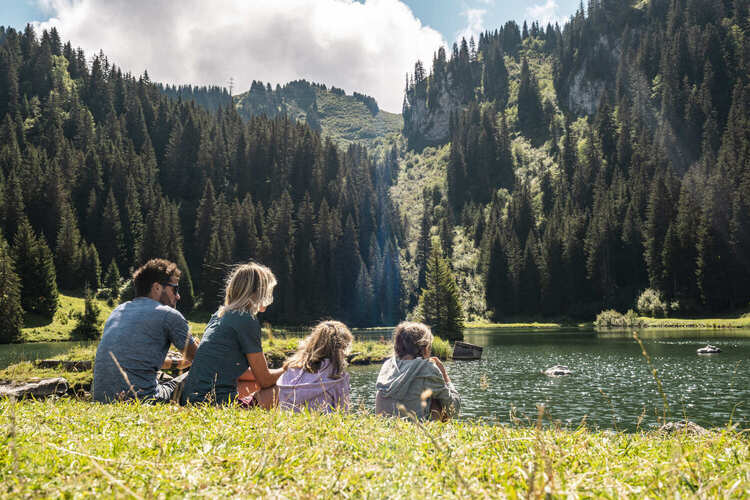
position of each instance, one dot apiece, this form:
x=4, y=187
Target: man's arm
x=180, y=362
x=263, y=375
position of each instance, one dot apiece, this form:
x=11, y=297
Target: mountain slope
x=344, y=118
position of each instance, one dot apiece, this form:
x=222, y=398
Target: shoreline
x=276, y=350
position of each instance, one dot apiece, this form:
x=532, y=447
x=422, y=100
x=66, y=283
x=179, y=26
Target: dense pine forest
x=591, y=162
x=101, y=171
x=576, y=166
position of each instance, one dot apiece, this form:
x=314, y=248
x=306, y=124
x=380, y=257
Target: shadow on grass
x=32, y=320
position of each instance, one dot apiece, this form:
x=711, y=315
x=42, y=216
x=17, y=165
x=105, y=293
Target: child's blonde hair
x=249, y=287
x=329, y=339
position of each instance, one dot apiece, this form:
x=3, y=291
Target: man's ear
x=155, y=288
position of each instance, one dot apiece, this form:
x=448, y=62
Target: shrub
x=651, y=303
x=441, y=348
x=608, y=319
x=613, y=319
x=88, y=325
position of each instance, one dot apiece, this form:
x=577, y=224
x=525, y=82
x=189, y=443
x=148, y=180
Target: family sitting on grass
x=228, y=365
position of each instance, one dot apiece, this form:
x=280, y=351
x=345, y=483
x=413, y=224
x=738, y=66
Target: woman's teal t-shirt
x=221, y=357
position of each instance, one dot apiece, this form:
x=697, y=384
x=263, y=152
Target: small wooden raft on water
x=465, y=351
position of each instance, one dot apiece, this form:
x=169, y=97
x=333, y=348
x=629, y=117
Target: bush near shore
x=69, y=448
x=613, y=319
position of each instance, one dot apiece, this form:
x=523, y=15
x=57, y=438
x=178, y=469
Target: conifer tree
x=36, y=269
x=246, y=234
x=88, y=324
x=11, y=312
x=364, y=313
x=498, y=288
x=109, y=241
x=68, y=250
x=530, y=112
x=712, y=271
x=112, y=280
x=133, y=225
x=424, y=243
x=212, y=273
x=14, y=204
x=204, y=220
x=91, y=269
x=439, y=303
x=529, y=285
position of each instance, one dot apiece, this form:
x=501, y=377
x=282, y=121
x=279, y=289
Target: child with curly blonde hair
x=315, y=376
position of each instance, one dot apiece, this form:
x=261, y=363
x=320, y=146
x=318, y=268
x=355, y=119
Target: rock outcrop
x=429, y=126
x=582, y=90
x=35, y=388
x=685, y=426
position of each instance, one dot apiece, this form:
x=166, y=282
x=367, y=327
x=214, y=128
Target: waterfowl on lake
x=709, y=349
x=558, y=371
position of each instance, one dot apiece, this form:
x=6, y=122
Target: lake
x=611, y=385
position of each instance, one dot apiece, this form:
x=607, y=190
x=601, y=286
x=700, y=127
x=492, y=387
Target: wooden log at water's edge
x=463, y=351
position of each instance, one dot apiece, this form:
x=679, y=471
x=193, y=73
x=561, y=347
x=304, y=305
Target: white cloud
x=545, y=13
x=474, y=24
x=367, y=47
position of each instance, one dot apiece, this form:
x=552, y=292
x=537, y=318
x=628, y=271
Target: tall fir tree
x=439, y=303
x=11, y=312
x=36, y=269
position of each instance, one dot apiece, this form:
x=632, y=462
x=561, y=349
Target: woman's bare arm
x=266, y=377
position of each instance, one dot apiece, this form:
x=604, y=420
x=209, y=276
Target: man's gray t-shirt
x=138, y=333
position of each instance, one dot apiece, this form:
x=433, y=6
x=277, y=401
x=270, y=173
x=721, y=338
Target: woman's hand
x=263, y=375
x=440, y=366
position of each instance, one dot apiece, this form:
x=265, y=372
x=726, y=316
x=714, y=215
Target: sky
x=358, y=45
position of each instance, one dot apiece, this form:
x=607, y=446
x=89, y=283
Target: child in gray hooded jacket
x=412, y=382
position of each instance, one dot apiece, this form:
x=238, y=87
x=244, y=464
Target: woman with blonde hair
x=315, y=376
x=231, y=344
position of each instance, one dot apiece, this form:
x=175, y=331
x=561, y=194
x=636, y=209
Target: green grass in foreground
x=69, y=448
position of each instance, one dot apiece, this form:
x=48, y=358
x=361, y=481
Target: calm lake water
x=611, y=385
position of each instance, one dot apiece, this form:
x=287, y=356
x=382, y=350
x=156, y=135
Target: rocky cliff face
x=427, y=123
x=586, y=85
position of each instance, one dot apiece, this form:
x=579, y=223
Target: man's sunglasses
x=176, y=287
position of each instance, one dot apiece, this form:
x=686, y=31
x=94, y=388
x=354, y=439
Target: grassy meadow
x=67, y=448
x=40, y=329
